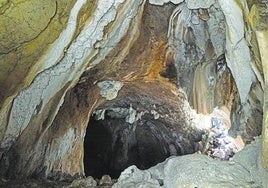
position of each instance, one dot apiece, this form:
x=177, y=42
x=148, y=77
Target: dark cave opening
x=112, y=144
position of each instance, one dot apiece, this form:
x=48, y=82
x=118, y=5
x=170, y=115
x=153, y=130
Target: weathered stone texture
x=199, y=171
x=65, y=72
x=28, y=29
x=63, y=62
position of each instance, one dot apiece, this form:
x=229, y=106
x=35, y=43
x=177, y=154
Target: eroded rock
x=191, y=4
x=133, y=177
x=109, y=89
x=199, y=171
x=63, y=72
x=88, y=182
x=106, y=180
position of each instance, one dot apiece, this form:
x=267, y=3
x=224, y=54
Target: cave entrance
x=111, y=145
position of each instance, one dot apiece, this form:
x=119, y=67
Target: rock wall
x=84, y=42
x=54, y=55
x=209, y=43
x=258, y=16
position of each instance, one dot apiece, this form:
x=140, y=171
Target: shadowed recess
x=112, y=144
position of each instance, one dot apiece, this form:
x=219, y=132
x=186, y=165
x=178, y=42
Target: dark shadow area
x=111, y=145
x=97, y=149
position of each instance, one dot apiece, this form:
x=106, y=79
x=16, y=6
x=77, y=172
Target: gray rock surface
x=133, y=177
x=162, y=2
x=196, y=38
x=237, y=51
x=200, y=171
x=105, y=180
x=109, y=88
x=85, y=183
x=193, y=4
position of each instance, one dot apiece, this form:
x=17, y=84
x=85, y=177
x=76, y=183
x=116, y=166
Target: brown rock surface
x=151, y=78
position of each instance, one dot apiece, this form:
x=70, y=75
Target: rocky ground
x=201, y=171
x=195, y=171
x=104, y=182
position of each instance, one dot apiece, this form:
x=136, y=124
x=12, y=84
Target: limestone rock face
x=197, y=42
x=27, y=30
x=149, y=73
x=33, y=110
x=258, y=16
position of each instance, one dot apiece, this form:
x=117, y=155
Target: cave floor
x=34, y=183
x=193, y=170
